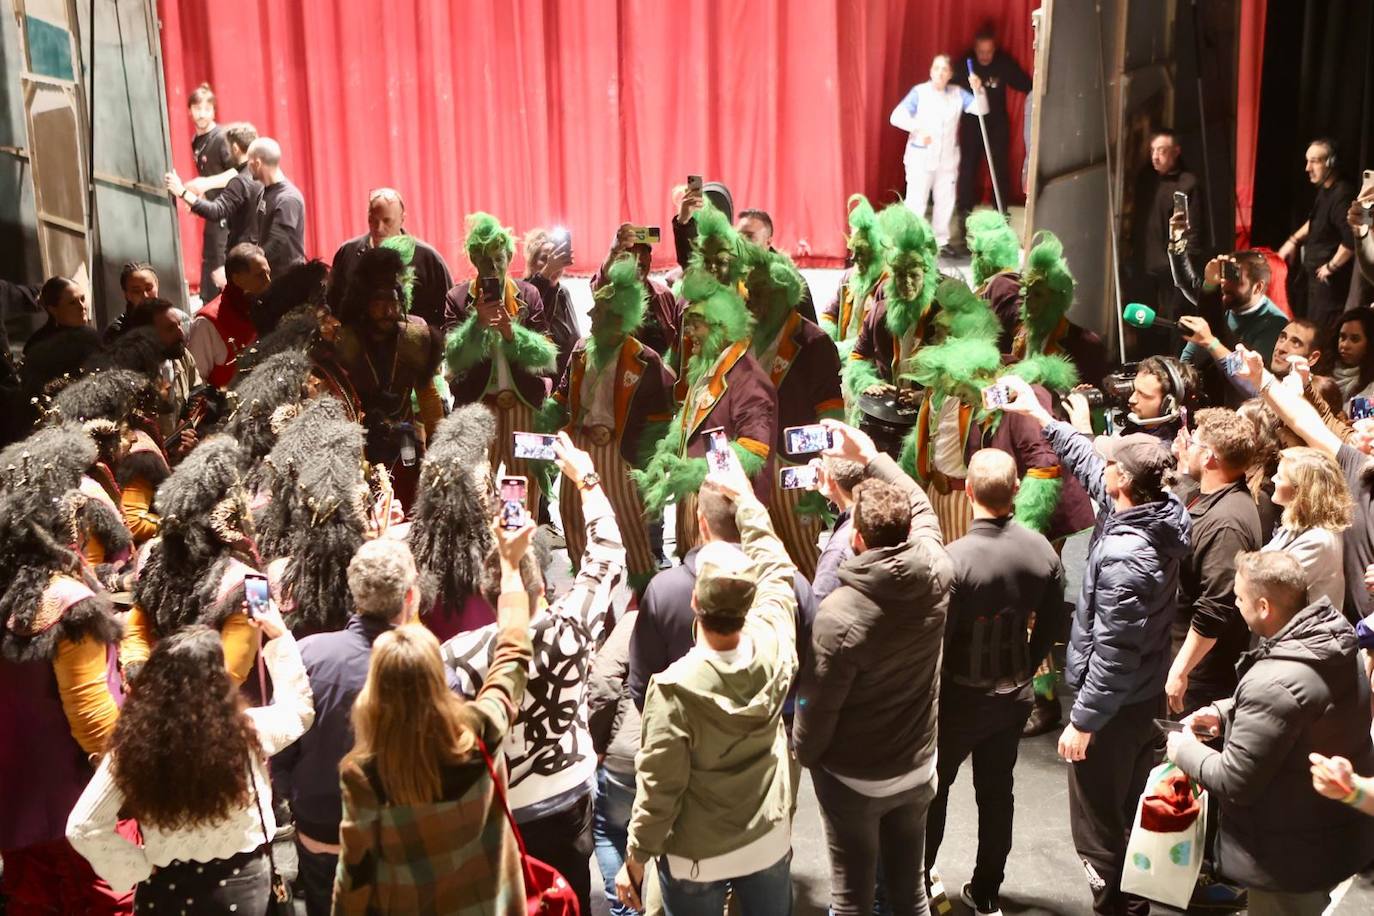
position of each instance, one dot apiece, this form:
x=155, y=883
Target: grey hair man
x=386, y=594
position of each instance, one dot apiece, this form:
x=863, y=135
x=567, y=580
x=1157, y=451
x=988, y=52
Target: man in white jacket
x=930, y=113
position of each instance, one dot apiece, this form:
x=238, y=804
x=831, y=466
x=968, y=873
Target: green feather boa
x=1036, y=501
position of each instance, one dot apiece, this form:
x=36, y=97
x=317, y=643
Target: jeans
x=615, y=798
x=764, y=893
x=1104, y=789
x=988, y=728
x=240, y=884
x=563, y=839
x=862, y=831
x=316, y=879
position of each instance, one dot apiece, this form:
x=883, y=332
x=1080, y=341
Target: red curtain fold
x=1249, y=78
x=583, y=113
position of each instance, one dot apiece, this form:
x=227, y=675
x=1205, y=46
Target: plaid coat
x=455, y=855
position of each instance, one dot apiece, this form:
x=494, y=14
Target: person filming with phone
x=1119, y=642
x=1302, y=693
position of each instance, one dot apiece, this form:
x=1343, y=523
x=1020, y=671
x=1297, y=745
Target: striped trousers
x=624, y=497
x=515, y=417
x=954, y=512
x=798, y=533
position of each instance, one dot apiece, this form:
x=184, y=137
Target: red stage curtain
x=583, y=113
x=1249, y=77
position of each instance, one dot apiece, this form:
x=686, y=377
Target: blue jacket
x=307, y=772
x=1120, y=644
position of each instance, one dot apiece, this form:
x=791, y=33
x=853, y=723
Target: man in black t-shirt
x=235, y=206
x=1326, y=240
x=999, y=72
x=281, y=211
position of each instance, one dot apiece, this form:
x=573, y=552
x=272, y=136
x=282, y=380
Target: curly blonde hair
x=1320, y=496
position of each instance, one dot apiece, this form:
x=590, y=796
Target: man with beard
x=861, y=284
x=1046, y=294
x=1299, y=337
x=719, y=251
x=391, y=358
x=224, y=327
x=756, y=226
x=804, y=367
x=386, y=217
x=178, y=370
x=497, y=350
x=721, y=386
x=614, y=402
x=996, y=254
x=1238, y=307
x=899, y=323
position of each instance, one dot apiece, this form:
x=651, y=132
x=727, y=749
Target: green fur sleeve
x=529, y=349
x=467, y=345
x=907, y=460
x=828, y=324
x=859, y=375
x=1036, y=501
x=550, y=416
x=648, y=440
x=845, y=347
x=751, y=462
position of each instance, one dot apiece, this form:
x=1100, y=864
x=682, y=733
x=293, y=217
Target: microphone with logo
x=1138, y=315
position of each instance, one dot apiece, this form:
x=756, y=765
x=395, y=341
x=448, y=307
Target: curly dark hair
x=298, y=330
x=179, y=581
x=112, y=395
x=449, y=533
x=304, y=284
x=377, y=268
x=186, y=718
x=139, y=349
x=278, y=380
x=317, y=512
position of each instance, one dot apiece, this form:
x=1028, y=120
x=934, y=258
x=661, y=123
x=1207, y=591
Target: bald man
x=1005, y=605
x=281, y=211
x=386, y=217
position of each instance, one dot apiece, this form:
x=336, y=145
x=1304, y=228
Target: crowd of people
x=285, y=569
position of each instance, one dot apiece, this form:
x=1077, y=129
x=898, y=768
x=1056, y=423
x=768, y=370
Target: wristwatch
x=589, y=481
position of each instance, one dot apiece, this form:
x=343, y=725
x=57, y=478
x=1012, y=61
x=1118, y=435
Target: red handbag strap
x=510, y=818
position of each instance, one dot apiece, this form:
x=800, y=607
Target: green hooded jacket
x=714, y=772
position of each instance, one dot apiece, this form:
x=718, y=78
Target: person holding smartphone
x=1163, y=188
x=499, y=348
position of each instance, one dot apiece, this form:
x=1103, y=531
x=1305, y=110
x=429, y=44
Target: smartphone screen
x=1361, y=408
x=995, y=397
x=513, y=491
x=717, y=450
x=534, y=446
x=1230, y=271
x=798, y=478
x=694, y=182
x=801, y=440
x=257, y=593
x=491, y=289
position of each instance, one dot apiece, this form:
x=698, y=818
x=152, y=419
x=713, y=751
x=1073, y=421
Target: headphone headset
x=1330, y=150
x=1171, y=403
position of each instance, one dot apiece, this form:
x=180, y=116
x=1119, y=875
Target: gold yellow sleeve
x=81, y=668
x=136, y=502
x=431, y=407
x=240, y=641
x=138, y=640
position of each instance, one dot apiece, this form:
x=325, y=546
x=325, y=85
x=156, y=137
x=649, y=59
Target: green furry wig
x=963, y=314
x=1047, y=290
x=911, y=247
x=485, y=232
x=723, y=311
x=623, y=296
x=713, y=226
x=992, y=243
x=775, y=288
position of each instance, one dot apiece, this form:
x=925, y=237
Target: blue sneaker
x=1216, y=896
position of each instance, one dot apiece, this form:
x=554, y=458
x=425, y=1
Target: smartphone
x=1361, y=408
x=1181, y=205
x=694, y=182
x=534, y=446
x=717, y=450
x=561, y=237
x=1230, y=271
x=1169, y=725
x=801, y=440
x=995, y=397
x=513, y=491
x=491, y=289
x=1231, y=363
x=802, y=477
x=647, y=235
x=257, y=593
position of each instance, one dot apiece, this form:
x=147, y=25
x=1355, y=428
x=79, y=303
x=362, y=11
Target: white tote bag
x=1164, y=866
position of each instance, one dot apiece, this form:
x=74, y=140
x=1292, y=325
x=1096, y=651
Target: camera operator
x=1160, y=387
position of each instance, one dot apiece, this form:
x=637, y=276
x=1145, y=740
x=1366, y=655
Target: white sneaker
x=992, y=908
